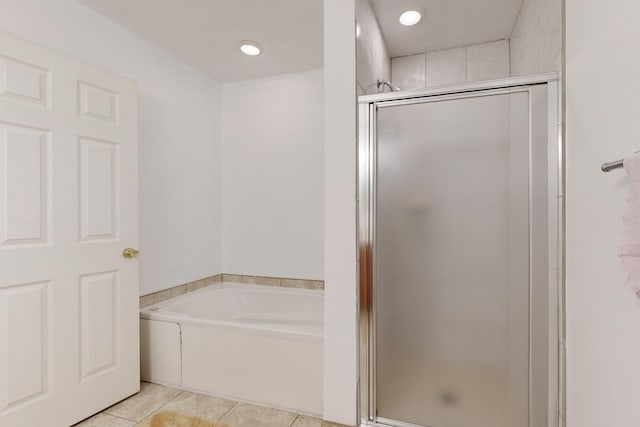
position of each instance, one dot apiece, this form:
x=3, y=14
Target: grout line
x=546, y=67
x=162, y=406
x=294, y=420
x=172, y=399
x=425, y=69
x=466, y=64
x=228, y=410
x=515, y=23
x=116, y=416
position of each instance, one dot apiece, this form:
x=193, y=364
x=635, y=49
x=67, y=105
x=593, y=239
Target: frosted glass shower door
x=451, y=269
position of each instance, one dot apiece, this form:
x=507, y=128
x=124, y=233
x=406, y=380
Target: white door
x=68, y=208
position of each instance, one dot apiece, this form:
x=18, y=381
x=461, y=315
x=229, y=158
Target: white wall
x=340, y=299
x=273, y=176
x=603, y=124
x=536, y=39
x=179, y=121
x=484, y=61
x=373, y=61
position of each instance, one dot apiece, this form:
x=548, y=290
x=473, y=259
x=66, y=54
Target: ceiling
x=445, y=23
x=206, y=33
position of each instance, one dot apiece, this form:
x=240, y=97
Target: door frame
x=366, y=175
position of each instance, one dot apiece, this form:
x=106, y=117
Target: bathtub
x=252, y=343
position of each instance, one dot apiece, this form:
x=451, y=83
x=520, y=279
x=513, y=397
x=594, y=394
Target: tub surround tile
x=156, y=297
x=305, y=421
x=258, y=280
x=232, y=278
x=163, y=295
x=275, y=281
x=247, y=415
x=302, y=284
x=203, y=283
x=104, y=420
x=200, y=405
x=139, y=406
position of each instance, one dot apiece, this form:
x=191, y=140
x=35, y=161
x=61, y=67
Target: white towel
x=629, y=251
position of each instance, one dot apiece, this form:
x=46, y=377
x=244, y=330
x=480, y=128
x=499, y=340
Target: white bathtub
x=253, y=343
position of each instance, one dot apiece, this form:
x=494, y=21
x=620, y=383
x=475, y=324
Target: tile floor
x=153, y=398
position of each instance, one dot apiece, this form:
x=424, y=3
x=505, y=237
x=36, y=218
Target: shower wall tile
x=380, y=58
x=483, y=61
x=364, y=70
x=445, y=67
x=528, y=62
x=408, y=72
x=556, y=65
x=488, y=61
x=549, y=33
x=373, y=61
x=536, y=39
x=528, y=19
x=517, y=41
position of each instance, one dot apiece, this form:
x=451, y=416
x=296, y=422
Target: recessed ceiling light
x=410, y=17
x=250, y=48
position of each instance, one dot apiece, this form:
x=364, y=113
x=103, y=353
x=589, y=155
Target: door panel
x=451, y=271
x=26, y=178
x=23, y=343
x=99, y=320
x=68, y=207
x=24, y=82
x=98, y=189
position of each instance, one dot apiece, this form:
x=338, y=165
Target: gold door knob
x=130, y=253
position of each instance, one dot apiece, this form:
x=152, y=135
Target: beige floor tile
x=151, y=398
x=104, y=420
x=304, y=421
x=246, y=415
x=200, y=405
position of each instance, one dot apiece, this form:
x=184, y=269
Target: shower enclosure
x=460, y=212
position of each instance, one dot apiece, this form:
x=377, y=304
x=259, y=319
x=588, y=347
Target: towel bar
x=606, y=167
